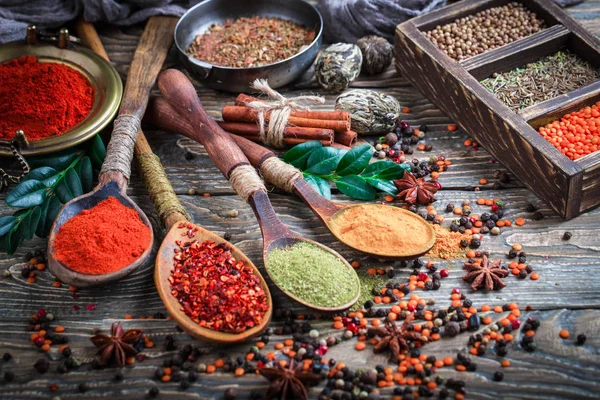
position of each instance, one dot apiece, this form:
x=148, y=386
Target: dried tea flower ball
x=338, y=66
x=370, y=111
x=377, y=54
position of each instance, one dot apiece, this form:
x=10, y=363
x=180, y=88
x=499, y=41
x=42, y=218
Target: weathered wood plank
x=570, y=273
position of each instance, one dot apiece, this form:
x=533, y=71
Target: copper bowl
x=103, y=78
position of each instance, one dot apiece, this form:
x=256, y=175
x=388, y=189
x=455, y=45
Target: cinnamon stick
x=347, y=138
x=244, y=99
x=287, y=141
x=303, y=134
x=245, y=114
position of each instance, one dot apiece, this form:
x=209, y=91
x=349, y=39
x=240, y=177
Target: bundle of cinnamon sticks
x=328, y=127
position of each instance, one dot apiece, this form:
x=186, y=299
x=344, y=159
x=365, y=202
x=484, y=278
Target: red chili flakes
x=214, y=290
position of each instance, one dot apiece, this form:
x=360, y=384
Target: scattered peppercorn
x=567, y=236
x=581, y=338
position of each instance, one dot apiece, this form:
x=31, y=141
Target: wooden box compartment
x=569, y=187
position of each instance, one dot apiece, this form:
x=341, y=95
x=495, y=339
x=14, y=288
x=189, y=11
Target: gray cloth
x=349, y=20
x=15, y=15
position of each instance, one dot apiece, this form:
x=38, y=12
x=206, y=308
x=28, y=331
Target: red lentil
x=576, y=134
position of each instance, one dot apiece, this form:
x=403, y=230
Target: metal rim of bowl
x=107, y=98
x=183, y=49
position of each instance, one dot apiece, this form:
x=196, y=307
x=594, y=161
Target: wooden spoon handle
x=161, y=192
x=179, y=92
x=148, y=58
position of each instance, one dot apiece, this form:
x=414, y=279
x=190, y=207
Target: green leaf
x=355, y=160
x=59, y=161
x=27, y=194
x=324, y=160
x=49, y=211
x=86, y=173
x=320, y=185
x=387, y=170
x=12, y=240
x=29, y=223
x=72, y=180
x=383, y=185
x=63, y=192
x=97, y=152
x=40, y=174
x=6, y=224
x=355, y=187
x=298, y=155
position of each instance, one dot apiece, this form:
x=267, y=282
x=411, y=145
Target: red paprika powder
x=103, y=239
x=42, y=98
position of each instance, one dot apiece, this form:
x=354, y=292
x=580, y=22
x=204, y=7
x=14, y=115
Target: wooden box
x=569, y=187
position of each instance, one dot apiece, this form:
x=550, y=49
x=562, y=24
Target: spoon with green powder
x=308, y=272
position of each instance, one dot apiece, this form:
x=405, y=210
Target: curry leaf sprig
x=52, y=182
x=351, y=170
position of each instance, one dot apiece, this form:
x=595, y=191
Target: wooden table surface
x=567, y=295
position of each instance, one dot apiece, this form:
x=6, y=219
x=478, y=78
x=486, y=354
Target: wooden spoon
x=165, y=116
x=181, y=95
x=176, y=221
x=147, y=61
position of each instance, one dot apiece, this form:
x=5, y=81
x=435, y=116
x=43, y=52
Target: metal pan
x=199, y=18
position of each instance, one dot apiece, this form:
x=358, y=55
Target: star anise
x=396, y=338
x=116, y=347
x=414, y=190
x=288, y=382
x=486, y=274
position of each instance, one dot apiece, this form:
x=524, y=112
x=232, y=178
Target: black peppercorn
x=153, y=392
x=501, y=351
x=530, y=208
x=475, y=243
x=538, y=216
x=581, y=338
x=66, y=352
x=6, y=357
x=9, y=376
x=512, y=253
x=42, y=365
x=567, y=235
x=464, y=243
x=498, y=376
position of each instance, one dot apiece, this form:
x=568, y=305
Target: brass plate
x=103, y=77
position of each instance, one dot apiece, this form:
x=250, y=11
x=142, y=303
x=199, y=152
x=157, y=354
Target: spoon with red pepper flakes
x=182, y=235
x=179, y=92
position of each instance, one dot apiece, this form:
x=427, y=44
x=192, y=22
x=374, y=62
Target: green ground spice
x=367, y=284
x=312, y=274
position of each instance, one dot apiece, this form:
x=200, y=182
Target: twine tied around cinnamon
x=279, y=109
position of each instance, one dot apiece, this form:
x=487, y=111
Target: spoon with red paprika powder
x=179, y=92
x=110, y=195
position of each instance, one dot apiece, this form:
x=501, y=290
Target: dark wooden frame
x=568, y=187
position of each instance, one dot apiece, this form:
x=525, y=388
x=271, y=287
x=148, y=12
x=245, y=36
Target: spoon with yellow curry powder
x=179, y=230
x=308, y=272
x=375, y=229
